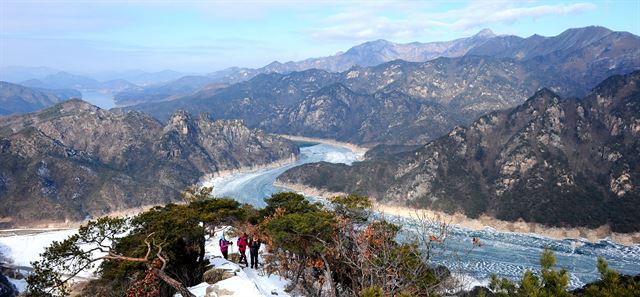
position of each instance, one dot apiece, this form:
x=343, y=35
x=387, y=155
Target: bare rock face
x=553, y=160
x=75, y=160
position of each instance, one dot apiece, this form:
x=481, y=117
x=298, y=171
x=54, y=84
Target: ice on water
x=253, y=187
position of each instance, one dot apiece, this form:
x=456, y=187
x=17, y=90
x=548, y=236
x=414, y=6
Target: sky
x=205, y=36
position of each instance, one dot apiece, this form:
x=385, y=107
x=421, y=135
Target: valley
x=372, y=150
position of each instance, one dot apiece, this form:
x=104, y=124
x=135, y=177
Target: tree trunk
x=329, y=276
x=173, y=283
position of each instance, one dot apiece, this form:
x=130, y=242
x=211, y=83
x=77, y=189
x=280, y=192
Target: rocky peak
x=586, y=32
x=616, y=84
x=485, y=33
x=181, y=122
x=375, y=44
x=75, y=105
x=542, y=98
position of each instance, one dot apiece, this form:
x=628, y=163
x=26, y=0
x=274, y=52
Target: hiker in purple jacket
x=224, y=247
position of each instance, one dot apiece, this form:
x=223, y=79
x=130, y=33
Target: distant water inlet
x=507, y=254
x=103, y=100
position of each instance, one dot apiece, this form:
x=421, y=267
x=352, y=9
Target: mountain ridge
x=79, y=160
x=434, y=97
x=16, y=98
x=552, y=160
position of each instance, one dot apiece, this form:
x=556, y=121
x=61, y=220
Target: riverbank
x=484, y=221
x=246, y=169
x=360, y=151
x=48, y=226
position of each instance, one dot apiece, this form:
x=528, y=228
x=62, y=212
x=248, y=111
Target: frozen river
x=507, y=254
x=253, y=187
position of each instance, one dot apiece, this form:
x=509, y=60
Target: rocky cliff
x=554, y=160
x=74, y=160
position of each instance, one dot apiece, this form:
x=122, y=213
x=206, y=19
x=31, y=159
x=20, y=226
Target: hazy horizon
x=206, y=36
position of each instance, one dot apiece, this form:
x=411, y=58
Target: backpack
x=254, y=244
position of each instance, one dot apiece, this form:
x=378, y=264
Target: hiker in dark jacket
x=254, y=247
x=224, y=247
x=242, y=247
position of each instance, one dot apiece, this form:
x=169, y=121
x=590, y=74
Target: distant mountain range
x=65, y=80
x=401, y=102
x=76, y=160
x=15, y=99
x=18, y=74
x=553, y=160
x=581, y=49
x=166, y=91
x=367, y=54
x=139, y=77
x=377, y=52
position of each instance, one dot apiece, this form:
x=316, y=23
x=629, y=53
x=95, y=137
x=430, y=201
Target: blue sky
x=204, y=36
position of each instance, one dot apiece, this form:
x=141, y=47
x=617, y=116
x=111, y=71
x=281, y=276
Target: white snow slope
x=247, y=282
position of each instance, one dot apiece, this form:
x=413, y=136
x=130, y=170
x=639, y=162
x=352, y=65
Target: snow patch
x=246, y=282
x=24, y=249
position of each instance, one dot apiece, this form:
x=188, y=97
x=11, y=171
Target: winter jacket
x=254, y=245
x=224, y=245
x=242, y=244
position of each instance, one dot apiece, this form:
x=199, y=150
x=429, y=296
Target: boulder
x=215, y=275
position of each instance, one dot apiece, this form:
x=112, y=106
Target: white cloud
x=419, y=20
x=482, y=14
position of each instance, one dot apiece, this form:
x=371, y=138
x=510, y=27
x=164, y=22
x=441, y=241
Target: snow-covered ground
x=247, y=282
x=24, y=249
x=21, y=250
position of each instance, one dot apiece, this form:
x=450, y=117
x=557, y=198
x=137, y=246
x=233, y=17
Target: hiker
x=242, y=247
x=224, y=247
x=254, y=247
